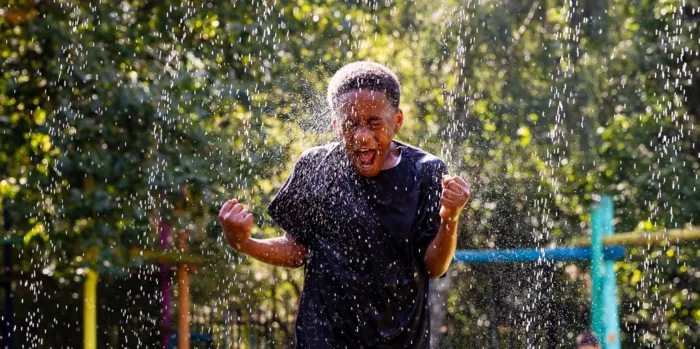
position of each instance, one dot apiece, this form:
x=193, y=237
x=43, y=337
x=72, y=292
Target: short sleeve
x=293, y=206
x=428, y=215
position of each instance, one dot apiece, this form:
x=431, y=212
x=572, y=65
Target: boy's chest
x=371, y=215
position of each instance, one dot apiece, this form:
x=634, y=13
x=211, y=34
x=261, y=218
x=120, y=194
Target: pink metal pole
x=165, y=284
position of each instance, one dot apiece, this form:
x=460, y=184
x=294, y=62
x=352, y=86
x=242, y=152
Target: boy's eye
x=348, y=124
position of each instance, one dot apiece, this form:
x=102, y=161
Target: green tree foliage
x=119, y=117
x=124, y=115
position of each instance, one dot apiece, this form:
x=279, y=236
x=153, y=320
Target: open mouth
x=366, y=157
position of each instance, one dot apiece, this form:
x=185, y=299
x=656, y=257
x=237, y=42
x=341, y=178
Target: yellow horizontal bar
x=643, y=238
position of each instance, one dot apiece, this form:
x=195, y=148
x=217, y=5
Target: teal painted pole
x=605, y=318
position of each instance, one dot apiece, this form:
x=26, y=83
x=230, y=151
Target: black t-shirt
x=365, y=280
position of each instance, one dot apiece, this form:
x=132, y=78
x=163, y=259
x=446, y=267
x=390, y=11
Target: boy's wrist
x=449, y=223
x=243, y=247
x=452, y=218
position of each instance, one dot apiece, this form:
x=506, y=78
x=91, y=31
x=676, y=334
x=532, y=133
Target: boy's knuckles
x=446, y=202
x=455, y=186
x=449, y=194
x=453, y=194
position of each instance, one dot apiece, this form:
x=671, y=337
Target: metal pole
x=605, y=319
x=90, y=310
x=643, y=238
x=535, y=255
x=165, y=284
x=183, y=297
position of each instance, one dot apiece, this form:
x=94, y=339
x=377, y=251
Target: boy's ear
x=398, y=117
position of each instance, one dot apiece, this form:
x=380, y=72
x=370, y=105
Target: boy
x=370, y=218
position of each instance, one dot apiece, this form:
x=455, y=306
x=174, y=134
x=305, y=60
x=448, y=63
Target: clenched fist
x=455, y=194
x=236, y=222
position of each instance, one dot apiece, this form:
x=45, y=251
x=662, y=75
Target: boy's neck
x=392, y=157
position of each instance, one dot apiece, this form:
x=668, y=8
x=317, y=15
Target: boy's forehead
x=362, y=98
x=362, y=93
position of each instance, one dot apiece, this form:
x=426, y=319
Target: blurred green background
x=117, y=117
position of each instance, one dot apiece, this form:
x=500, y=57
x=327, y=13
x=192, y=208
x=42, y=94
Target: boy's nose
x=362, y=134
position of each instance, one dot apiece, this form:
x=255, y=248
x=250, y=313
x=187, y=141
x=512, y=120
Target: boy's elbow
x=436, y=273
x=297, y=253
x=297, y=263
x=299, y=258
x=435, y=267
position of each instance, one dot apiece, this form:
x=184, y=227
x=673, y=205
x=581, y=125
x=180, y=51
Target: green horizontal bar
x=644, y=238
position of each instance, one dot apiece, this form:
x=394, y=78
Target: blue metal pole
x=597, y=226
x=605, y=319
x=535, y=255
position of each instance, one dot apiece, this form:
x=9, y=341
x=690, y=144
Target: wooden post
x=605, y=318
x=90, y=310
x=183, y=297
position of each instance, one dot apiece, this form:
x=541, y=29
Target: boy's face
x=367, y=122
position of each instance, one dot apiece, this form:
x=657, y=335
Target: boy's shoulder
x=320, y=150
x=319, y=157
x=317, y=154
x=422, y=159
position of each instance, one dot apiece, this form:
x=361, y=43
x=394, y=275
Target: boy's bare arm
x=439, y=254
x=282, y=251
x=455, y=194
x=237, y=224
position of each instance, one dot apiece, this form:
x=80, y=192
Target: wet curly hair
x=364, y=74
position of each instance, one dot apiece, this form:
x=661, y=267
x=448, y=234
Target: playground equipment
x=90, y=310
x=604, y=305
x=602, y=249
x=605, y=315
x=184, y=263
x=605, y=248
